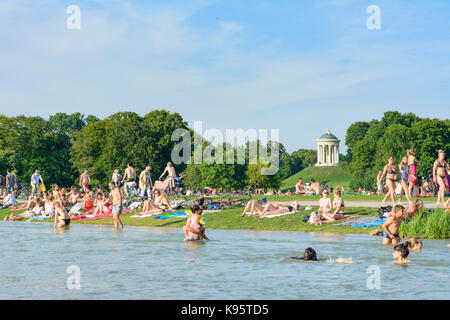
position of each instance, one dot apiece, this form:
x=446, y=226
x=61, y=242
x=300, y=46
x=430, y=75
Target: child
x=193, y=230
x=400, y=253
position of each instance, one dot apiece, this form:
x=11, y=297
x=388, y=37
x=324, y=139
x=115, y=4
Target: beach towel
x=92, y=217
x=370, y=224
x=357, y=220
x=38, y=218
x=277, y=215
x=180, y=214
x=76, y=208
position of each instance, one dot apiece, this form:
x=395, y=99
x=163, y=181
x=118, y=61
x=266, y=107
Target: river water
x=155, y=263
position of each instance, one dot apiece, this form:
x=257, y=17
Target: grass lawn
x=230, y=219
x=346, y=197
x=335, y=176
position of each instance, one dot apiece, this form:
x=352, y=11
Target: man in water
x=129, y=177
x=117, y=205
x=36, y=181
x=85, y=179
x=392, y=225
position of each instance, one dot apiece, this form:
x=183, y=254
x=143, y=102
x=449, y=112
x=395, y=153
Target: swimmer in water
x=414, y=244
x=400, y=253
x=309, y=254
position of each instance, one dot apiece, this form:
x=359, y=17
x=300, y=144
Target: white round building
x=327, y=150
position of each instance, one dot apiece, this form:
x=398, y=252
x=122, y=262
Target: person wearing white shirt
x=36, y=181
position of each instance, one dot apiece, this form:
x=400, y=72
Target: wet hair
x=309, y=254
x=195, y=208
x=403, y=249
x=411, y=243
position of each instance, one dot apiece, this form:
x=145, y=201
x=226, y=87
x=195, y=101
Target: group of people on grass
x=405, y=174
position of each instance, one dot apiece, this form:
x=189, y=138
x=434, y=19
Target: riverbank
x=231, y=219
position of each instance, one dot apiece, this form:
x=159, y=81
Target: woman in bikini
x=391, y=176
x=440, y=171
x=325, y=205
x=412, y=175
x=338, y=206
x=160, y=204
x=403, y=169
x=62, y=218
x=276, y=209
x=34, y=208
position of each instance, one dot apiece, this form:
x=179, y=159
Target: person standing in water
x=392, y=225
x=85, y=179
x=117, y=205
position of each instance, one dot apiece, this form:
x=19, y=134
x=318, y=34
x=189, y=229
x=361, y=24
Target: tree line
x=64, y=145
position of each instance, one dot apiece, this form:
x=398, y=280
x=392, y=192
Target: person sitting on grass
x=314, y=187
x=414, y=244
x=10, y=200
x=300, y=187
x=37, y=209
x=400, y=253
x=392, y=225
x=325, y=205
x=49, y=207
x=338, y=206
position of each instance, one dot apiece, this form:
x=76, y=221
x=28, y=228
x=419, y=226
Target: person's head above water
x=309, y=254
x=415, y=243
x=400, y=251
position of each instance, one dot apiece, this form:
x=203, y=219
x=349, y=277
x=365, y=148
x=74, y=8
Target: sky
x=298, y=66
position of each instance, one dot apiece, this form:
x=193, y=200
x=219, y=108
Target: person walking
x=36, y=181
x=145, y=183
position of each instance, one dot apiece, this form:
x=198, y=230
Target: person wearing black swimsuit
x=391, y=176
x=440, y=169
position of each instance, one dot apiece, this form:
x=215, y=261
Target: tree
x=355, y=133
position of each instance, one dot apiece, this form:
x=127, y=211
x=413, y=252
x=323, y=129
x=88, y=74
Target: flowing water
x=155, y=263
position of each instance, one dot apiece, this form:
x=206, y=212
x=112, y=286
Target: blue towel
x=39, y=218
x=370, y=224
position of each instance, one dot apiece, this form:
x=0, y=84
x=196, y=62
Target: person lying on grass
x=193, y=230
x=257, y=208
x=29, y=205
x=37, y=209
x=392, y=225
x=275, y=209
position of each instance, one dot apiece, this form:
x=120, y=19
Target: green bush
x=435, y=225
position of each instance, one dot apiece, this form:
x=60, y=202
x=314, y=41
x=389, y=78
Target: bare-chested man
x=315, y=186
x=129, y=177
x=117, y=205
x=85, y=179
x=300, y=187
x=392, y=225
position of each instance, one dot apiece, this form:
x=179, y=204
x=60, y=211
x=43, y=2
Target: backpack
x=306, y=218
x=383, y=211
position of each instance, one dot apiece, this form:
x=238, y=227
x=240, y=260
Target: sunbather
x=279, y=209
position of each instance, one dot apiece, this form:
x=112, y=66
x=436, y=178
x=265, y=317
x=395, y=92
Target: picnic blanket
x=148, y=214
x=180, y=214
x=370, y=224
x=98, y=216
x=357, y=221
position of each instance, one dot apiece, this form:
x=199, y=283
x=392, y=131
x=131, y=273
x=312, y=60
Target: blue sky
x=298, y=66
